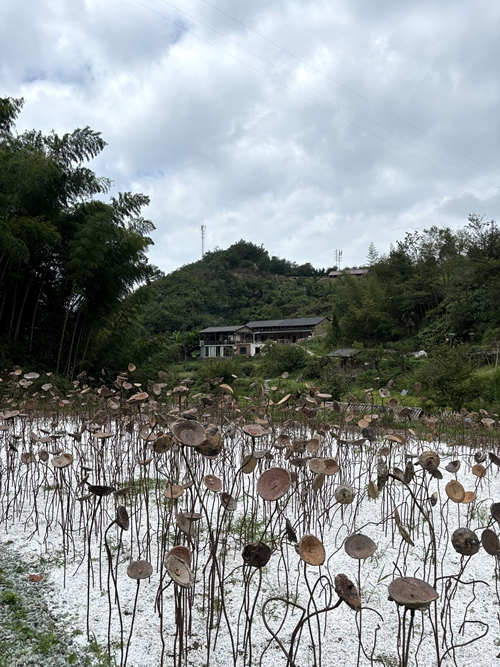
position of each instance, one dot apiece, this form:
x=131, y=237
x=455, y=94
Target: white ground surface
x=44, y=524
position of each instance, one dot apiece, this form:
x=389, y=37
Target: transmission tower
x=338, y=259
x=203, y=232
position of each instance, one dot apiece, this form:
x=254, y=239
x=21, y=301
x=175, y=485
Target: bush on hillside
x=276, y=359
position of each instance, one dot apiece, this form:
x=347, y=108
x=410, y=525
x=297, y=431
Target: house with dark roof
x=355, y=273
x=248, y=339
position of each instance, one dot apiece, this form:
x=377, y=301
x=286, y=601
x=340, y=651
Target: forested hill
x=234, y=286
x=430, y=284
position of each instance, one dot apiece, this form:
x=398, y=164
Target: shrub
x=447, y=376
x=276, y=359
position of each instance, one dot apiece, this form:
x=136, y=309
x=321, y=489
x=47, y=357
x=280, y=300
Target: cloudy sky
x=303, y=125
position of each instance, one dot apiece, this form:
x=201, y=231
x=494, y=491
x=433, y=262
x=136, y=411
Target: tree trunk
x=64, y=329
x=34, y=311
x=26, y=291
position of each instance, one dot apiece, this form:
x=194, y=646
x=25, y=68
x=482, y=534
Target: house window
x=243, y=350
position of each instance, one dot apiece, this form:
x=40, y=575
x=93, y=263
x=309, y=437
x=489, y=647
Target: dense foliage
x=67, y=259
x=234, y=286
x=429, y=285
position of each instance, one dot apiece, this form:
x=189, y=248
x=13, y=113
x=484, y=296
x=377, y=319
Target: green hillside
x=234, y=286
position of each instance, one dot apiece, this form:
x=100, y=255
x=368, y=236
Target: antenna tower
x=338, y=259
x=203, y=232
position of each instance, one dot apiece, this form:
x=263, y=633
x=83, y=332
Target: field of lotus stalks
x=183, y=529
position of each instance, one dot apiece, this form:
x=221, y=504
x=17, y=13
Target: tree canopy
x=67, y=258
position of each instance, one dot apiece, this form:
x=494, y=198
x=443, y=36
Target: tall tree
x=66, y=259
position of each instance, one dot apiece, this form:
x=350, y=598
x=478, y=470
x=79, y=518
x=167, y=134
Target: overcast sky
x=306, y=126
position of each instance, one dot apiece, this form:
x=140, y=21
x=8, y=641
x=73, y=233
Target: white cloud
x=214, y=142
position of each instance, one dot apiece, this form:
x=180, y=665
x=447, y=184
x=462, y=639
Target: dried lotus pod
x=344, y=494
x=188, y=432
x=311, y=550
x=382, y=474
x=139, y=569
x=185, y=523
x=212, y=444
x=173, y=491
x=480, y=457
x=359, y=546
x=399, y=474
x=100, y=490
x=412, y=593
x=478, y=470
x=122, y=518
x=453, y=466
x=347, y=592
x=429, y=460
x=228, y=501
x=313, y=445
x=331, y=466
x=248, y=464
x=213, y=483
x=256, y=554
x=62, y=460
x=273, y=483
x=494, y=458
x=163, y=443
x=282, y=441
x=434, y=498
x=490, y=542
x=254, y=430
x=495, y=511
x=465, y=542
x=317, y=465
x=455, y=491
x=179, y=571
x=368, y=433
x=409, y=472
x=318, y=481
x=299, y=446
x=372, y=490
x=181, y=552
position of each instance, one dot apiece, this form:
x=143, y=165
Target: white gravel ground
x=36, y=526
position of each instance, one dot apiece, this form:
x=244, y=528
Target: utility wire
x=308, y=99
x=351, y=90
x=316, y=90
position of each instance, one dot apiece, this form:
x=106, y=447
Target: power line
x=351, y=90
x=308, y=99
x=316, y=90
